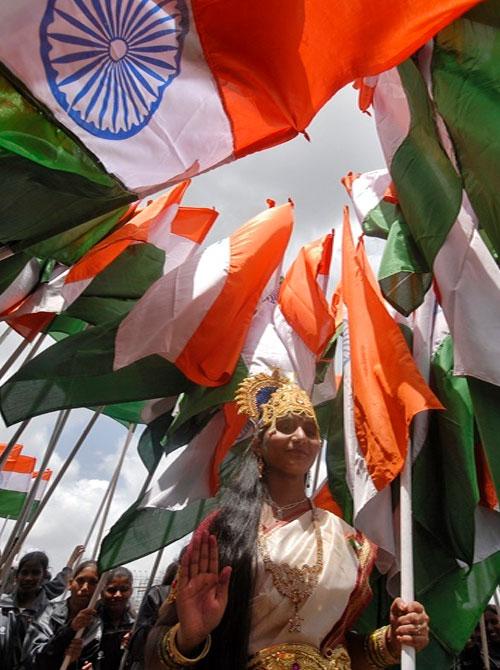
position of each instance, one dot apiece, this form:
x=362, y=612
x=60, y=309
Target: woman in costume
x=269, y=582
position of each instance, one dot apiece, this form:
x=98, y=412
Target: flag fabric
x=403, y=275
x=428, y=175
x=174, y=230
x=217, y=288
x=170, y=79
x=382, y=393
x=15, y=481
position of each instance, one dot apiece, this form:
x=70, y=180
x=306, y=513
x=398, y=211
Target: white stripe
x=368, y=190
x=487, y=533
x=392, y=113
x=188, y=133
x=15, y=481
x=48, y=297
x=22, y=285
x=166, y=317
x=187, y=471
x=372, y=509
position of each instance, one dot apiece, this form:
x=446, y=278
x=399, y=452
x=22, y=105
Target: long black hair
x=236, y=527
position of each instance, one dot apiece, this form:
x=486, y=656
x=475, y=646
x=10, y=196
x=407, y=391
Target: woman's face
x=292, y=448
x=30, y=578
x=116, y=594
x=82, y=586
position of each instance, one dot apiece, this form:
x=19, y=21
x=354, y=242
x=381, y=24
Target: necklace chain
x=292, y=582
x=279, y=509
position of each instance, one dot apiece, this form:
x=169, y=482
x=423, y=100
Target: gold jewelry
x=294, y=583
x=260, y=466
x=170, y=655
x=279, y=510
x=377, y=650
x=265, y=398
x=299, y=657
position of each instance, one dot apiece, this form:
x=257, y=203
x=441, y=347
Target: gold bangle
x=170, y=652
x=377, y=649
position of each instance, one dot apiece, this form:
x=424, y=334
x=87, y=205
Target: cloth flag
x=216, y=289
x=145, y=93
x=163, y=223
x=433, y=184
x=15, y=481
x=382, y=393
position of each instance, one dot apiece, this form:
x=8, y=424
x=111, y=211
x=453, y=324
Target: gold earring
x=260, y=466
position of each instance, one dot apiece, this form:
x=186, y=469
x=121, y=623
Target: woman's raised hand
x=202, y=592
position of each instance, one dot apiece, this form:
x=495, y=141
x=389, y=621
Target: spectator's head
x=117, y=591
x=170, y=574
x=31, y=573
x=82, y=584
x=492, y=623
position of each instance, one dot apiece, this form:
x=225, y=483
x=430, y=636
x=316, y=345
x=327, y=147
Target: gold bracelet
x=170, y=655
x=377, y=650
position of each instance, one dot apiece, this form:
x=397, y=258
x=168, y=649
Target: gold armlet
x=171, y=657
x=377, y=650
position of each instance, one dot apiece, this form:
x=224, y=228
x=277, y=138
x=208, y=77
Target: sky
x=341, y=139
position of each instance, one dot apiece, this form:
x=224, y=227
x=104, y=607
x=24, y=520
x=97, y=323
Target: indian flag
x=106, y=102
x=15, y=481
x=427, y=142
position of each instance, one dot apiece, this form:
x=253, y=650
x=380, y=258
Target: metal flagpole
x=407, y=582
x=14, y=356
x=4, y=526
x=484, y=644
x=60, y=475
x=496, y=598
x=10, y=550
x=112, y=488
x=5, y=334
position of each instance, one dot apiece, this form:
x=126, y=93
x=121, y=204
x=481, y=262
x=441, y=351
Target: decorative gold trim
x=299, y=657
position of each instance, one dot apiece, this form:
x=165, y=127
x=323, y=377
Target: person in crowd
x=116, y=616
x=52, y=635
x=472, y=657
x=32, y=591
x=147, y=617
x=269, y=580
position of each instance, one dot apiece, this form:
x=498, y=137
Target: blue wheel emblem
x=108, y=62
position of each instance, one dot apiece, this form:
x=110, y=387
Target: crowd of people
x=267, y=582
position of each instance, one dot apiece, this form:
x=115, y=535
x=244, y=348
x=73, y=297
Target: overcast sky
x=342, y=139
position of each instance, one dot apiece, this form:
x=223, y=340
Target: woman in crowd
x=31, y=594
x=51, y=637
x=269, y=581
x=116, y=616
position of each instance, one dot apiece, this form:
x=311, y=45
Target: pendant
x=295, y=623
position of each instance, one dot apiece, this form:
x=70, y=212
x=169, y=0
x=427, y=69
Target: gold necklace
x=292, y=582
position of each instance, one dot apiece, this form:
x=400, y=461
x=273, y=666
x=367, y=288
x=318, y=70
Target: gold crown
x=265, y=398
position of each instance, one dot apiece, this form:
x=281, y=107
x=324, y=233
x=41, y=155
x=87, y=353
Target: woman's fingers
x=194, y=556
x=204, y=553
x=213, y=565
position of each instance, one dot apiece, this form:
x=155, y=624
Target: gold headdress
x=265, y=398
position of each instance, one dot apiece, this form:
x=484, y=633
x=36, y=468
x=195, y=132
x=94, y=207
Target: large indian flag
x=137, y=94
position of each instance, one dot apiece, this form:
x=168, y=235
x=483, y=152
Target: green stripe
x=466, y=81
x=68, y=247
x=446, y=491
x=429, y=190
x=48, y=182
x=11, y=503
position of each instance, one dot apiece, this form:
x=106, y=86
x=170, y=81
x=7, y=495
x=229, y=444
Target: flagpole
x=496, y=598
x=10, y=550
x=407, y=582
x=60, y=475
x=112, y=488
x=5, y=334
x=484, y=643
x=4, y=525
